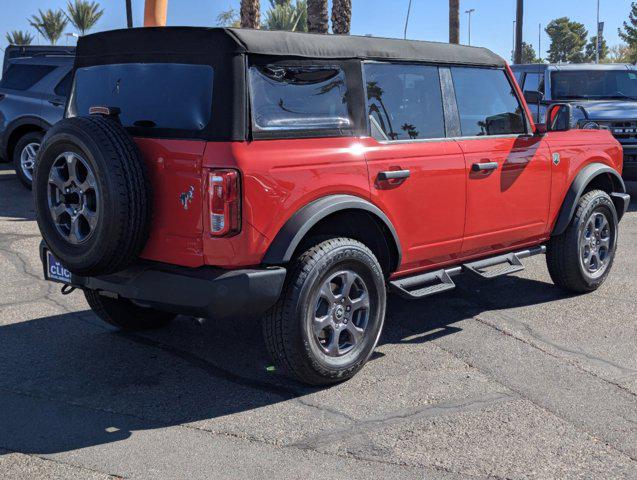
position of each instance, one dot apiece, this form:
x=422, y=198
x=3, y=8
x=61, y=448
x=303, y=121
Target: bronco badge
x=186, y=197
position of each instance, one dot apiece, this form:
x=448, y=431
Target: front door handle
x=56, y=103
x=484, y=167
x=393, y=175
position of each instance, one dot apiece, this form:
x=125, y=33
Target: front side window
x=299, y=98
x=594, y=84
x=404, y=102
x=23, y=77
x=149, y=95
x=534, y=82
x=487, y=103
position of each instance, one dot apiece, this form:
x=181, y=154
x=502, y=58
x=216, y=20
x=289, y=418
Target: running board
x=426, y=284
x=507, y=264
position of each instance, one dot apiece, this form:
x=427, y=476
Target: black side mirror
x=533, y=97
x=558, y=117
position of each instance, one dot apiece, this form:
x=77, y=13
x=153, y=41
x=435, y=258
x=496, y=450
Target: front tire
x=330, y=316
x=25, y=156
x=124, y=314
x=580, y=259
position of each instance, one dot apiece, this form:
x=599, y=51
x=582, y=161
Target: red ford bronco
x=224, y=172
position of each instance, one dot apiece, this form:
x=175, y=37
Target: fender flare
x=17, y=123
x=575, y=191
x=294, y=230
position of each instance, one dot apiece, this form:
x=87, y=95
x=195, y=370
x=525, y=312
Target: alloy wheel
x=28, y=158
x=596, y=244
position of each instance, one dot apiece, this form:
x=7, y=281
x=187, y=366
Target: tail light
x=225, y=202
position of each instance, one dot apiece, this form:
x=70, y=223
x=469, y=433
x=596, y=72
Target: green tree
x=83, y=14
x=528, y=54
x=590, y=50
x=50, y=24
x=628, y=33
x=283, y=15
x=19, y=37
x=229, y=18
x=620, y=54
x=341, y=16
x=568, y=40
x=317, y=19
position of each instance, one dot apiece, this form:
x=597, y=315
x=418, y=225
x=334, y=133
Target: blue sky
x=492, y=22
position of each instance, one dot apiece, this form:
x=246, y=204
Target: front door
x=417, y=175
x=508, y=171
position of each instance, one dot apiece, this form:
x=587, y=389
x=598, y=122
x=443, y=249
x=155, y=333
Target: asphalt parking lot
x=507, y=379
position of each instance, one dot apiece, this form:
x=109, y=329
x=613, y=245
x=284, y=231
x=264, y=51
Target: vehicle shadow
x=631, y=188
x=68, y=382
x=16, y=201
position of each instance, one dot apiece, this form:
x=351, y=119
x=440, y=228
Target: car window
x=64, y=87
x=149, y=95
x=487, y=103
x=23, y=77
x=594, y=84
x=299, y=98
x=404, y=101
x=534, y=82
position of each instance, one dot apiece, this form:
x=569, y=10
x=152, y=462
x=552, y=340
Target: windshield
x=594, y=84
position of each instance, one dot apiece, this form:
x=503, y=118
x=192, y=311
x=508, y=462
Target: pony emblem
x=186, y=197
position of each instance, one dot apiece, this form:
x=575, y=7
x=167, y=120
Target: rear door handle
x=56, y=103
x=393, y=175
x=484, y=167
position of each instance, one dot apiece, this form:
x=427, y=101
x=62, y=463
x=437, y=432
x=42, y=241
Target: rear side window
x=64, y=87
x=487, y=103
x=149, y=95
x=404, y=102
x=299, y=98
x=23, y=77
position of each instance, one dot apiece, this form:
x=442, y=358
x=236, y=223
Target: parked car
x=226, y=172
x=606, y=97
x=33, y=91
x=18, y=51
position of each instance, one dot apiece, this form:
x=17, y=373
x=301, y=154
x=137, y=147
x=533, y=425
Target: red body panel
x=444, y=213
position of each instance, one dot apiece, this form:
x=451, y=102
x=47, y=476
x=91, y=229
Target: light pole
x=513, y=44
x=597, y=42
x=469, y=12
x=407, y=20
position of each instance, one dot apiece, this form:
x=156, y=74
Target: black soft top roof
x=144, y=44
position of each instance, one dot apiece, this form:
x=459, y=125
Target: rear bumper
x=201, y=292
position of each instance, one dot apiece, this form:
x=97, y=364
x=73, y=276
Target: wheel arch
x=18, y=128
x=344, y=215
x=594, y=175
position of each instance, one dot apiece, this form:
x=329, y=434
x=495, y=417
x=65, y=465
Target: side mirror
x=558, y=117
x=533, y=97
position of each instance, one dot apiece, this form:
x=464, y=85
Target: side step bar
x=425, y=284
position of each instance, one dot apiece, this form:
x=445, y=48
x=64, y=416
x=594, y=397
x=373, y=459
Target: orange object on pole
x=155, y=13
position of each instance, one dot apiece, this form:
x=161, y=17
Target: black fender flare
x=575, y=191
x=291, y=234
x=17, y=123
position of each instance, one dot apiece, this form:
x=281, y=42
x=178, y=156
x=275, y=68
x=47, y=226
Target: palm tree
x=18, y=37
x=454, y=21
x=283, y=15
x=341, y=16
x=317, y=19
x=84, y=14
x=50, y=24
x=250, y=13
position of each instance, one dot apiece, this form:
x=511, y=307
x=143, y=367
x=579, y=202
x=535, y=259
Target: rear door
x=19, y=96
x=55, y=95
x=417, y=174
x=508, y=171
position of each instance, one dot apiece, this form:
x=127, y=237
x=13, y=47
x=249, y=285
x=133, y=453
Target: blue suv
x=33, y=93
x=605, y=94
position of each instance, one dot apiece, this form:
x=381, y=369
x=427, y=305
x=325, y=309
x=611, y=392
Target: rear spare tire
x=92, y=195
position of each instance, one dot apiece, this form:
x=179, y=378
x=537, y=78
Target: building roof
x=174, y=41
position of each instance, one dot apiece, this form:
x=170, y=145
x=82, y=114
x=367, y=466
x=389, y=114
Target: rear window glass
x=299, y=98
x=150, y=95
x=23, y=77
x=405, y=101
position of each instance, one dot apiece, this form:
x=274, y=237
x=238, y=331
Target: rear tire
x=25, y=155
x=580, y=259
x=125, y=315
x=330, y=315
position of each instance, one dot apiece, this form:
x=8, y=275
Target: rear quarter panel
x=576, y=150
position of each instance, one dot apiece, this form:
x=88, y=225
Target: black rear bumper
x=201, y=292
